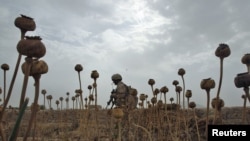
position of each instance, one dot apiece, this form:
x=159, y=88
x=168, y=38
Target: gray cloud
x=139, y=39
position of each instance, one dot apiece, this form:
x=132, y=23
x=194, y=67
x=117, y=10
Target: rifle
x=111, y=99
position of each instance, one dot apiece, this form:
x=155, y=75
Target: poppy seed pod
x=159, y=103
x=153, y=100
x=192, y=105
x=94, y=74
x=78, y=91
x=246, y=59
x=25, y=23
x=175, y=82
x=31, y=47
x=91, y=97
x=5, y=67
x=207, y=84
x=117, y=113
x=37, y=67
x=142, y=97
x=89, y=87
x=181, y=72
x=94, y=85
x=44, y=91
x=188, y=93
x=220, y=103
x=156, y=91
x=178, y=89
x=151, y=82
x=171, y=99
x=61, y=98
x=242, y=80
x=164, y=89
x=78, y=67
x=222, y=51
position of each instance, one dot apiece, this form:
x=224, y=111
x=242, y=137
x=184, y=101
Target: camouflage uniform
x=121, y=94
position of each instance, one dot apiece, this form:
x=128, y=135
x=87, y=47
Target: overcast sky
x=140, y=39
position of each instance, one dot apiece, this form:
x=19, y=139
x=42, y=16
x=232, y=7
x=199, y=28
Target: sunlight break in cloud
x=173, y=60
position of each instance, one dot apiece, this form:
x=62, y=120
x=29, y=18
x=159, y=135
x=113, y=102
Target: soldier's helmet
x=116, y=77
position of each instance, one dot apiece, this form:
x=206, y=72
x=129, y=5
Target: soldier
x=120, y=91
x=122, y=95
x=125, y=100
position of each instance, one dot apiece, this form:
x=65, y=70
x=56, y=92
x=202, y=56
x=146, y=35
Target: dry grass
x=140, y=124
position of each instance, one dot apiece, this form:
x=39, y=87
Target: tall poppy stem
x=34, y=110
x=208, y=101
x=218, y=91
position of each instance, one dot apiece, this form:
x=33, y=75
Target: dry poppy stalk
x=156, y=92
x=118, y=114
x=73, y=99
x=57, y=104
x=220, y=103
x=164, y=90
x=222, y=52
x=178, y=90
x=160, y=104
x=49, y=98
x=192, y=105
x=61, y=99
x=175, y=83
x=36, y=70
x=151, y=82
x=44, y=93
x=94, y=75
x=79, y=68
x=5, y=68
x=171, y=101
x=207, y=85
x=86, y=102
x=153, y=100
x=246, y=60
x=181, y=72
x=25, y=24
x=78, y=101
x=93, y=97
x=67, y=100
x=244, y=108
x=188, y=95
x=142, y=97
